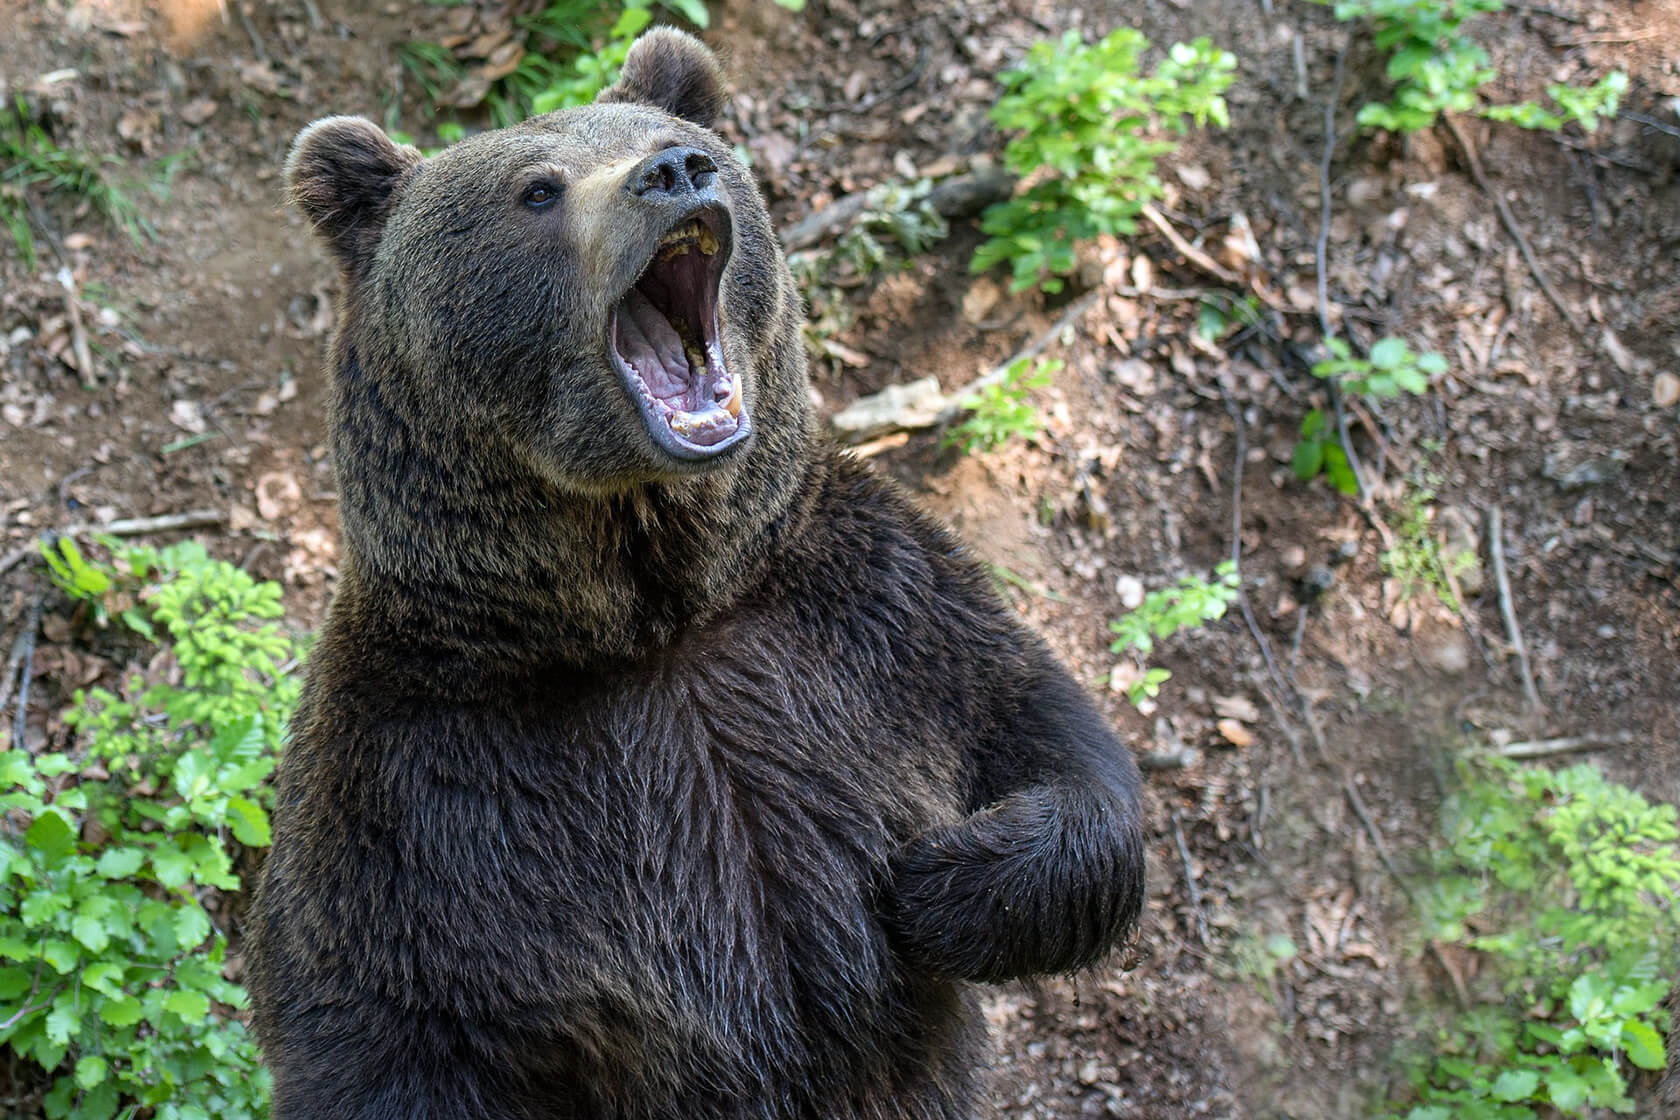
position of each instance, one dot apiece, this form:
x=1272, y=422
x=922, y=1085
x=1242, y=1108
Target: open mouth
x=664, y=341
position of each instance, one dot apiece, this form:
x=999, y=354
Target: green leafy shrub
x=1390, y=370
x=1564, y=883
x=1187, y=605
x=112, y=975
x=1000, y=412
x=1436, y=68
x=1088, y=131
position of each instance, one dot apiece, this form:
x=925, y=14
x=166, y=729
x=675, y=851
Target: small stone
x=1130, y=590
x=1293, y=558
x=1665, y=390
x=198, y=111
x=1235, y=733
x=981, y=297
x=1317, y=581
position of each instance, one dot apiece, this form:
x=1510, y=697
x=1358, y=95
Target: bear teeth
x=687, y=237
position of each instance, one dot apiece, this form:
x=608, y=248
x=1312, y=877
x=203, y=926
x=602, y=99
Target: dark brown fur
x=628, y=788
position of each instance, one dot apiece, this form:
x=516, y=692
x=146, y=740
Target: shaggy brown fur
x=630, y=784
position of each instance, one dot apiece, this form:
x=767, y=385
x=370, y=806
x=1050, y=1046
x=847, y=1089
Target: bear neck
x=459, y=551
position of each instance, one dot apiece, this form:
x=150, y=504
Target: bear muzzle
x=665, y=341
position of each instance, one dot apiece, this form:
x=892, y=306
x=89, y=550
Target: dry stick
x=1194, y=255
x=1190, y=881
x=167, y=523
x=19, y=722
x=1496, y=553
x=78, y=330
x=1546, y=748
x=1509, y=221
x=12, y=663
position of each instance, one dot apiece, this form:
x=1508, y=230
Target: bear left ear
x=673, y=71
x=344, y=172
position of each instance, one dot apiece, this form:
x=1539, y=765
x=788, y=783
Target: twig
x=19, y=722
x=1603, y=157
x=885, y=443
x=78, y=330
x=1194, y=255
x=1509, y=221
x=167, y=523
x=1460, y=992
x=1496, y=554
x=1235, y=413
x=17, y=556
x=250, y=31
x=1546, y=748
x=1190, y=881
x=12, y=663
x=1650, y=122
x=1611, y=37
x=1321, y=247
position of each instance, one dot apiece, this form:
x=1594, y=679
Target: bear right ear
x=343, y=172
x=673, y=71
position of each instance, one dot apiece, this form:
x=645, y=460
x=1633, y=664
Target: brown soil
x=215, y=327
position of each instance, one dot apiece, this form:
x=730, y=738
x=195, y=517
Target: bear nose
x=673, y=172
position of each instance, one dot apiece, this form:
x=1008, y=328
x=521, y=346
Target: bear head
x=596, y=294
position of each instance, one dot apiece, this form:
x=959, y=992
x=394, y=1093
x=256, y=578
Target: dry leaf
x=1239, y=708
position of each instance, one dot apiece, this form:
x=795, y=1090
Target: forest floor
x=1281, y=776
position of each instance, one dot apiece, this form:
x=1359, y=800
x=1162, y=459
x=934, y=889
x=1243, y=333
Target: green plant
x=1390, y=370
x=897, y=211
x=30, y=159
x=112, y=979
x=1088, y=131
x=1186, y=605
x=1417, y=559
x=1436, y=67
x=1001, y=411
x=1564, y=884
x=1586, y=107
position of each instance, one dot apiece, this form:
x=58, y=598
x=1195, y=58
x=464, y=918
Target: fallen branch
x=956, y=196
x=167, y=523
x=1546, y=748
x=1190, y=881
x=78, y=329
x=1509, y=221
x=1496, y=555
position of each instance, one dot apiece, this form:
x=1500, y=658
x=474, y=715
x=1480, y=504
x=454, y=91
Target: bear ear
x=673, y=71
x=343, y=173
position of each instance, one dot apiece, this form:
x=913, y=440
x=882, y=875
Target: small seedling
x=1390, y=370
x=1001, y=411
x=1190, y=603
x=1417, y=558
x=1088, y=131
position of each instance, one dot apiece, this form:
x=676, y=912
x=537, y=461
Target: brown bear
x=658, y=761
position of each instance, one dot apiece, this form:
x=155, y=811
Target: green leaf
x=90, y=931
x=248, y=821
x=120, y=863
x=52, y=837
x=1644, y=1045
x=1515, y=1085
x=62, y=1022
x=1308, y=459
x=172, y=866
x=90, y=1071
x=191, y=1007
x=1388, y=354
x=123, y=1011
x=192, y=926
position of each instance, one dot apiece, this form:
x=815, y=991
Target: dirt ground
x=205, y=392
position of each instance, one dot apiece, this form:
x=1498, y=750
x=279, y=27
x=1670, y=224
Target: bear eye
x=540, y=196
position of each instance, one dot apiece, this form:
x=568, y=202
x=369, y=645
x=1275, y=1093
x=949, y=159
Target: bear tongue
x=650, y=344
